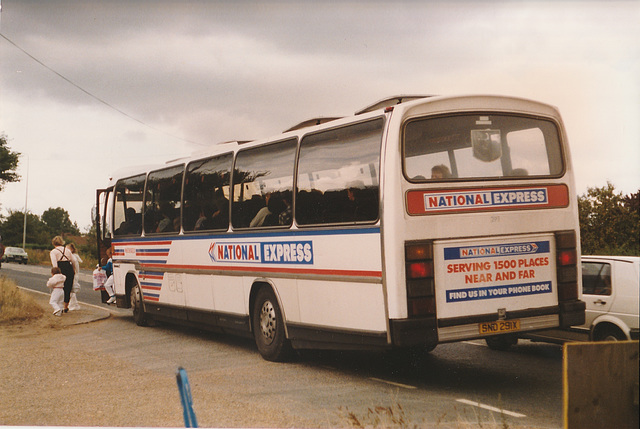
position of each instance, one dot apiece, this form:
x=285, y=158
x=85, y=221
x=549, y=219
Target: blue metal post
x=185, y=397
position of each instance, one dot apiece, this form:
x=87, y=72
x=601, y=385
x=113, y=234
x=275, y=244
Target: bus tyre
x=138, y=307
x=501, y=342
x=268, y=327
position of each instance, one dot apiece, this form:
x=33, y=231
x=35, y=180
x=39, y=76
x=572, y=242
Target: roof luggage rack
x=313, y=121
x=390, y=101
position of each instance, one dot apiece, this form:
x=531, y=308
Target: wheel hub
x=268, y=321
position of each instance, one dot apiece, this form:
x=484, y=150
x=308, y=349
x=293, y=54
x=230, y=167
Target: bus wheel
x=138, y=307
x=501, y=342
x=268, y=327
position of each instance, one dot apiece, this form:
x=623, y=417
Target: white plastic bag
x=73, y=302
x=99, y=277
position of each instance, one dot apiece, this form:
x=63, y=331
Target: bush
x=41, y=257
x=15, y=305
x=609, y=222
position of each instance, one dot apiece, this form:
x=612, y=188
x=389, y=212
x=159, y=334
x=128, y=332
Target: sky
x=88, y=87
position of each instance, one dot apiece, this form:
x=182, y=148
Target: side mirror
x=486, y=145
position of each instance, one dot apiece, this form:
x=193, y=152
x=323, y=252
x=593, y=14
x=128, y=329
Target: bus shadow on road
x=450, y=366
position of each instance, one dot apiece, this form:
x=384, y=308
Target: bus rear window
x=480, y=146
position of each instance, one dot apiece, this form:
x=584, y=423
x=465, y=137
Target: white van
x=610, y=287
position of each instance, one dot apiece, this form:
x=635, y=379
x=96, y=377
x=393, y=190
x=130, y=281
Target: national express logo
x=479, y=199
x=291, y=252
x=512, y=249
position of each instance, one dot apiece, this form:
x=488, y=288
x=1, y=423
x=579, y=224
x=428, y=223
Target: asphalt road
x=35, y=277
x=464, y=384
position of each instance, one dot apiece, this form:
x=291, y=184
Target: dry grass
x=15, y=305
x=393, y=416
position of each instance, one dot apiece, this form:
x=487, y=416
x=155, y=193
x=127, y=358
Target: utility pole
x=26, y=197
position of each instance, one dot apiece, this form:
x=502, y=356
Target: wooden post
x=600, y=385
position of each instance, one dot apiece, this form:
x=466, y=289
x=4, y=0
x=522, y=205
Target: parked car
x=15, y=254
x=610, y=286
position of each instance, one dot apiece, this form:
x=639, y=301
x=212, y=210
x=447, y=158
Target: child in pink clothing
x=56, y=284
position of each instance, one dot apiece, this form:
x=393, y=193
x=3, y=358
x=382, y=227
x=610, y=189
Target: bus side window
x=162, y=200
x=263, y=177
x=206, y=194
x=338, y=175
x=128, y=206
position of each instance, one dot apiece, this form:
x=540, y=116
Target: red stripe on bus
x=142, y=243
x=281, y=270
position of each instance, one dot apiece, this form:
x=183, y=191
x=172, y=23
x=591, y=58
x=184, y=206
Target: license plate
x=499, y=327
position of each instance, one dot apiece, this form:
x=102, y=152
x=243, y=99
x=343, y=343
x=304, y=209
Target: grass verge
x=15, y=305
x=41, y=257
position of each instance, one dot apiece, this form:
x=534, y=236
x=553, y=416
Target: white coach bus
x=420, y=220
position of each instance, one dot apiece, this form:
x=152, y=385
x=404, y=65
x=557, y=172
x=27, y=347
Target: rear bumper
x=413, y=332
x=16, y=259
x=470, y=331
x=428, y=331
x=572, y=313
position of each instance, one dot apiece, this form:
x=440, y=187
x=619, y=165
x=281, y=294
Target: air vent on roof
x=313, y=121
x=390, y=101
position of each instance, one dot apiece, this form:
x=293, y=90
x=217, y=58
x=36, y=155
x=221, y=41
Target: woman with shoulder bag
x=62, y=258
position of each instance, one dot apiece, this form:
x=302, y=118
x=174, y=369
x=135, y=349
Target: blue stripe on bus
x=225, y=235
x=151, y=273
x=143, y=283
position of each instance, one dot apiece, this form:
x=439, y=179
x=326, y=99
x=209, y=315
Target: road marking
x=406, y=386
x=490, y=408
x=473, y=343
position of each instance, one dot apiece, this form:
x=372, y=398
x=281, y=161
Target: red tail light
x=420, y=279
x=420, y=270
x=567, y=266
x=567, y=257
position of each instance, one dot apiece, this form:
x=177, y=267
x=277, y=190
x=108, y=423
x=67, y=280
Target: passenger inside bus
x=166, y=223
x=259, y=218
x=132, y=223
x=220, y=216
x=519, y=172
x=285, y=217
x=203, y=218
x=440, y=172
x=275, y=206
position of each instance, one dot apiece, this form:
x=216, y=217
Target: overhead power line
x=95, y=97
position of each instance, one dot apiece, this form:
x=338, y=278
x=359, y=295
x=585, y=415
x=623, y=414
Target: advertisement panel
x=482, y=276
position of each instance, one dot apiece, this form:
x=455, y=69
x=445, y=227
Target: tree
x=609, y=222
x=58, y=222
x=8, y=163
x=13, y=228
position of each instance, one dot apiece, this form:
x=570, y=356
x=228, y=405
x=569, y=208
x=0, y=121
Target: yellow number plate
x=499, y=327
